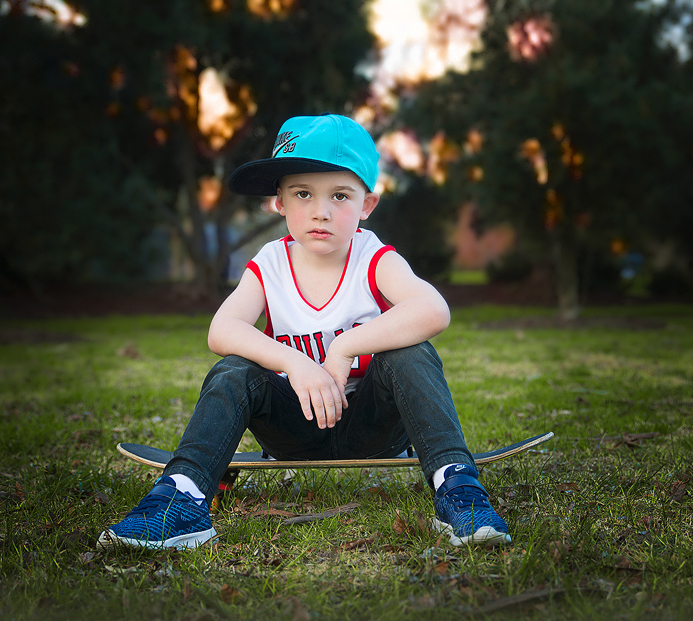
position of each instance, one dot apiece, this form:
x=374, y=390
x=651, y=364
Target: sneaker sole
x=485, y=534
x=108, y=539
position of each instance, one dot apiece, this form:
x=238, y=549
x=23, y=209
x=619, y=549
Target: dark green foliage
x=622, y=102
x=408, y=221
x=671, y=283
x=84, y=180
x=513, y=267
x=65, y=205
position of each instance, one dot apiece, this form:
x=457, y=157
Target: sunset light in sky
x=422, y=40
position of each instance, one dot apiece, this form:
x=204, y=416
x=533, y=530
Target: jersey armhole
x=372, y=284
x=255, y=269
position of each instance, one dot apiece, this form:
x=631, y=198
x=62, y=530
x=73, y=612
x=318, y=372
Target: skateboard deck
x=158, y=458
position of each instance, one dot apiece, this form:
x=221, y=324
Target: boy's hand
x=338, y=365
x=316, y=387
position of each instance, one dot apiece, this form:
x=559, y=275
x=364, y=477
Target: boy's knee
x=409, y=359
x=234, y=367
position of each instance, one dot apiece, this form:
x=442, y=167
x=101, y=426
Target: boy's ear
x=369, y=204
x=279, y=202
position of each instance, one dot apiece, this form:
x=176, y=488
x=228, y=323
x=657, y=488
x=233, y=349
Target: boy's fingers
x=340, y=401
x=333, y=410
x=304, y=400
x=318, y=409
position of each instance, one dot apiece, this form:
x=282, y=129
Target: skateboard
x=158, y=458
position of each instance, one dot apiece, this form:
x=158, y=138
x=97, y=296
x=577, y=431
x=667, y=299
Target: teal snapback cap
x=308, y=144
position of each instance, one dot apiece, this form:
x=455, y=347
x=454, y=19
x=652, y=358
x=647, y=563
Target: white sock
x=186, y=484
x=439, y=475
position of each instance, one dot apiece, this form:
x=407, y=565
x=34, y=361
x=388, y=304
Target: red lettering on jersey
x=308, y=348
x=321, y=347
x=284, y=338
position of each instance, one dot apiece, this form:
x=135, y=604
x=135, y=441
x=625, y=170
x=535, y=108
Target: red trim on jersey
x=379, y=299
x=255, y=269
x=286, y=241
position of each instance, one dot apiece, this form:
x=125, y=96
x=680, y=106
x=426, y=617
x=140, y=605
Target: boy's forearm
x=410, y=322
x=242, y=339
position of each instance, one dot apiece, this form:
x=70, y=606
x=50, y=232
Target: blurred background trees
x=576, y=129
x=567, y=120
x=105, y=132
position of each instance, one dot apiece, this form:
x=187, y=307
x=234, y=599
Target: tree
x=123, y=98
x=575, y=126
x=66, y=209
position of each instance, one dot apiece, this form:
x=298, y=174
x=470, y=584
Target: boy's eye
x=340, y=196
x=303, y=194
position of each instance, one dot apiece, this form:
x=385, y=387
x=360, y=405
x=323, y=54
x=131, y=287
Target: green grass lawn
x=601, y=516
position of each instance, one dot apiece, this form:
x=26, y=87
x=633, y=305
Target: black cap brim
x=260, y=178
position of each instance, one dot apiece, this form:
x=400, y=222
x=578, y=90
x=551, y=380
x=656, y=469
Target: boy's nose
x=321, y=210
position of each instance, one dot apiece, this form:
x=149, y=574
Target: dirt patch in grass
x=557, y=323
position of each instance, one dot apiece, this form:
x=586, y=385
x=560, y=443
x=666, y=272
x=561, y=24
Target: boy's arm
x=418, y=313
x=233, y=331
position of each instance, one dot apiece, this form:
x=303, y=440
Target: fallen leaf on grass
x=677, y=489
x=19, y=492
x=312, y=517
x=100, y=498
x=648, y=521
x=229, y=594
x=187, y=591
x=359, y=543
x=402, y=526
x=295, y=607
x=376, y=490
x=568, y=487
x=128, y=351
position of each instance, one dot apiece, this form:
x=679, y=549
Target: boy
x=343, y=370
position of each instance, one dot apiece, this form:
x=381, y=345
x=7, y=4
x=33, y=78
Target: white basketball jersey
x=292, y=320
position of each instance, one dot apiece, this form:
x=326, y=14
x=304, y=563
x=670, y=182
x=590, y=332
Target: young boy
x=343, y=370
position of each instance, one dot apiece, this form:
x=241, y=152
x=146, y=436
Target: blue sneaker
x=463, y=511
x=165, y=518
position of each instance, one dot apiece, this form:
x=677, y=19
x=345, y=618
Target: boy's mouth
x=319, y=233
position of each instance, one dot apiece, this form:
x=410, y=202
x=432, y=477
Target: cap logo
x=283, y=143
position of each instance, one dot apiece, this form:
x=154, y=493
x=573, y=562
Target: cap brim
x=260, y=178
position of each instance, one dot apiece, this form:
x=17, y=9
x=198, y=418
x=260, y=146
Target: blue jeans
x=403, y=399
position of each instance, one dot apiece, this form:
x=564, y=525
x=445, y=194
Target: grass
x=601, y=517
x=468, y=277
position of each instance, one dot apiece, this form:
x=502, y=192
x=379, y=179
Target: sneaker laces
x=150, y=504
x=464, y=496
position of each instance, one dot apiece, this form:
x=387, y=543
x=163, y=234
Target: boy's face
x=323, y=210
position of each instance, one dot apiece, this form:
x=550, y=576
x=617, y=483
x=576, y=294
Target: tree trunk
x=198, y=247
x=565, y=267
